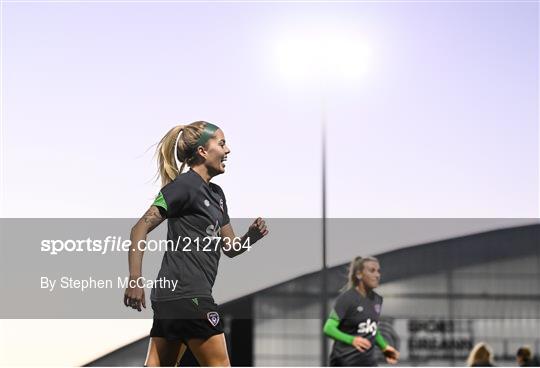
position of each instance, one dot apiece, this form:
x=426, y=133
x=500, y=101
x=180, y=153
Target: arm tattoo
x=152, y=218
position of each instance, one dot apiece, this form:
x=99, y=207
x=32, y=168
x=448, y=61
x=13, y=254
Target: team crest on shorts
x=378, y=308
x=213, y=318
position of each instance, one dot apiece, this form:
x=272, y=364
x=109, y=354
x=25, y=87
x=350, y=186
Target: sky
x=443, y=122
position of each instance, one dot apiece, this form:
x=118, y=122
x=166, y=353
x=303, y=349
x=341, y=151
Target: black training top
x=358, y=316
x=196, y=211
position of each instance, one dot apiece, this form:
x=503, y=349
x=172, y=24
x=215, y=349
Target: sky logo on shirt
x=367, y=327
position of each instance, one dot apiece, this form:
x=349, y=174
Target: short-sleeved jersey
x=358, y=316
x=195, y=211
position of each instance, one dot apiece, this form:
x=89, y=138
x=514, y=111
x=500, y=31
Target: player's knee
x=224, y=362
x=219, y=361
x=152, y=362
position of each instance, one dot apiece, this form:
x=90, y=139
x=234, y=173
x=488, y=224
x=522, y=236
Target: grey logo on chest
x=214, y=230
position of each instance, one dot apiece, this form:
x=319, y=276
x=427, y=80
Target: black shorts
x=185, y=319
x=353, y=360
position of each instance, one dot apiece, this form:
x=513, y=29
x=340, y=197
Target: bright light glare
x=321, y=56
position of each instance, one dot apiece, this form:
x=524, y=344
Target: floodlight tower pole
x=324, y=276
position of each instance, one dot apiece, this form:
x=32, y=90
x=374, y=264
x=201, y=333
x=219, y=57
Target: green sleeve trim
x=331, y=330
x=380, y=341
x=333, y=315
x=160, y=202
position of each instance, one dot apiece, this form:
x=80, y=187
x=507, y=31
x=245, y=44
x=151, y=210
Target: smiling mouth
x=223, y=161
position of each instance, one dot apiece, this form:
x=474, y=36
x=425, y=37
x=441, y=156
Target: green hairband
x=208, y=132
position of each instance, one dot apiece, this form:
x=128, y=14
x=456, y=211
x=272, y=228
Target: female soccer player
x=199, y=227
x=353, y=321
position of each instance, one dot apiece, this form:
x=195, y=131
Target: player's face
x=371, y=274
x=217, y=153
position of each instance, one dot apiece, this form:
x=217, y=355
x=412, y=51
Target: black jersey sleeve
x=172, y=199
x=379, y=300
x=342, y=306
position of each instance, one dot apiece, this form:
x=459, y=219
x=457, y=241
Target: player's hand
x=361, y=344
x=257, y=230
x=134, y=297
x=391, y=354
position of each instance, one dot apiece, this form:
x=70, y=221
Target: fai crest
x=213, y=318
x=378, y=308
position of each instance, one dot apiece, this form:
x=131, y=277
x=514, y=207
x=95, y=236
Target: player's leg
x=163, y=353
x=210, y=352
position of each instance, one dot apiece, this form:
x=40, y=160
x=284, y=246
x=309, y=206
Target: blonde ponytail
x=177, y=149
x=167, y=160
